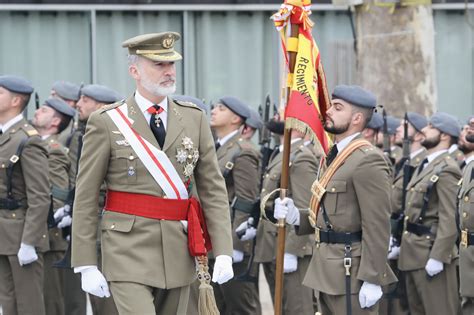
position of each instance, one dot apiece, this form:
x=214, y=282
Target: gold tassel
x=207, y=302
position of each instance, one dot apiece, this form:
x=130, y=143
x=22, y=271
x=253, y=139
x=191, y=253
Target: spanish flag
x=308, y=94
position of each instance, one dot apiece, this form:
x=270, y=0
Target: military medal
x=157, y=121
x=131, y=171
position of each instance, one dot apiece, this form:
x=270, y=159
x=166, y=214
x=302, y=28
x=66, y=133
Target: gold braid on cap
x=155, y=51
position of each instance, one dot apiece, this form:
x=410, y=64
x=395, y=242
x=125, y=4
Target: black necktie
x=331, y=155
x=422, y=165
x=157, y=126
x=218, y=145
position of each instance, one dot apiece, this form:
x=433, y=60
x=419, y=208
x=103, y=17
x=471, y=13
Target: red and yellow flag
x=308, y=97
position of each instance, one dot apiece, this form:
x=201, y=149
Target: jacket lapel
x=140, y=124
x=428, y=169
x=174, y=126
x=222, y=152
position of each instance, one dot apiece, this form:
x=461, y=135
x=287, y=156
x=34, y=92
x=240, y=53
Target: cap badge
x=168, y=42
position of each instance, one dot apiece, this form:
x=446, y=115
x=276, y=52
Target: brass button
x=304, y=247
x=464, y=214
x=56, y=234
x=266, y=176
x=13, y=215
x=3, y=165
x=44, y=236
x=131, y=157
x=412, y=189
x=263, y=189
x=406, y=218
x=112, y=226
x=393, y=186
x=466, y=199
x=406, y=232
x=428, y=237
x=333, y=189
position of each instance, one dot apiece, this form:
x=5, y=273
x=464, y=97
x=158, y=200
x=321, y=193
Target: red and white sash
x=155, y=160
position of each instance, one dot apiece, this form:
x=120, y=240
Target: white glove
x=433, y=267
x=393, y=251
x=93, y=282
x=237, y=256
x=61, y=212
x=26, y=254
x=185, y=225
x=290, y=263
x=223, y=271
x=250, y=231
x=285, y=209
x=369, y=294
x=65, y=221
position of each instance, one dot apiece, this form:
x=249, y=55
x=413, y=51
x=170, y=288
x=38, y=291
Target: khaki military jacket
x=137, y=249
x=30, y=186
x=357, y=199
x=303, y=170
x=440, y=216
x=466, y=214
x=58, y=164
x=240, y=160
x=397, y=186
x=396, y=154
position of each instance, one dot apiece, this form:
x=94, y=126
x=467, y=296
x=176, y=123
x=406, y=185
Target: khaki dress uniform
x=75, y=299
x=21, y=287
x=297, y=298
x=433, y=237
x=466, y=249
x=141, y=257
x=59, y=164
x=238, y=162
x=395, y=300
x=357, y=201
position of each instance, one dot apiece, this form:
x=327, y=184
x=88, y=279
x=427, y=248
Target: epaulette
x=187, y=104
x=29, y=130
x=54, y=144
x=111, y=106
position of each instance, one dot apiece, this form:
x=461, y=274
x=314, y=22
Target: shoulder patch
x=187, y=104
x=29, y=130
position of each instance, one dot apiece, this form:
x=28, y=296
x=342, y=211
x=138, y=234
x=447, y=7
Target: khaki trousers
x=135, y=298
x=438, y=295
x=53, y=284
x=336, y=305
x=297, y=298
x=21, y=287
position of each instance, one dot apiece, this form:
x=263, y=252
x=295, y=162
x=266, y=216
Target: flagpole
x=284, y=188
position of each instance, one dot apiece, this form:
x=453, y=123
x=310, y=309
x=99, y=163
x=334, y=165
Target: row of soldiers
x=336, y=258
x=429, y=207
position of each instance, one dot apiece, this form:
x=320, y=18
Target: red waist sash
x=152, y=207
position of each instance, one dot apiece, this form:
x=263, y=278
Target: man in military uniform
x=395, y=150
x=24, y=203
x=297, y=299
x=349, y=266
x=466, y=223
x=146, y=254
x=428, y=249
x=371, y=131
x=238, y=161
x=49, y=120
x=396, y=300
x=93, y=97
x=252, y=124
x=69, y=93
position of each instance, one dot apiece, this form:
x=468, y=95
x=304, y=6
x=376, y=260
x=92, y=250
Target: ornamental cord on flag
x=309, y=97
